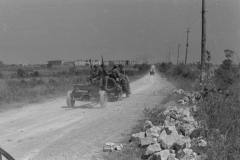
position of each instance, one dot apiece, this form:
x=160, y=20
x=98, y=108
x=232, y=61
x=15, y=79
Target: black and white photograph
x=119, y=79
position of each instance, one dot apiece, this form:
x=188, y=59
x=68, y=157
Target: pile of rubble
x=189, y=97
x=173, y=140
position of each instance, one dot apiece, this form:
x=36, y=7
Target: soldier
x=94, y=73
x=124, y=80
x=115, y=74
x=121, y=69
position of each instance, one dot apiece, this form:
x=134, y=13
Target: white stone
x=189, y=154
x=162, y=155
x=154, y=132
x=202, y=143
x=146, y=141
x=153, y=149
x=168, y=140
x=137, y=136
x=148, y=124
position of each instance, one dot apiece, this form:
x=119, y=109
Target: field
x=28, y=84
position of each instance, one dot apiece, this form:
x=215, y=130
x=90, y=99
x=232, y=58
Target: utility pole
x=169, y=54
x=203, y=41
x=178, y=53
x=187, y=44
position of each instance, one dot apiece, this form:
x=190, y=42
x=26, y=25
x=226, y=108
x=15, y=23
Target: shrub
x=155, y=115
x=35, y=74
x=181, y=71
x=227, y=73
x=21, y=73
x=164, y=67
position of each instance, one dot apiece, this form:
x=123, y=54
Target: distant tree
x=1, y=63
x=227, y=73
x=229, y=53
x=72, y=70
x=21, y=73
x=35, y=74
x=49, y=65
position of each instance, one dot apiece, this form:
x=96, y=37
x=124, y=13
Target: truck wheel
x=70, y=100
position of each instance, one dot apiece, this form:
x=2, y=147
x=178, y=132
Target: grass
x=31, y=90
x=130, y=152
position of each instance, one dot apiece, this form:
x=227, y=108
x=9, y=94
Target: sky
x=34, y=31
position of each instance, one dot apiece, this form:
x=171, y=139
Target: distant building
x=86, y=62
x=55, y=63
x=122, y=62
x=80, y=62
x=69, y=63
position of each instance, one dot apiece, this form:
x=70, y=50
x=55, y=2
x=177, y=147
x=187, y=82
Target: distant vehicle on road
x=152, y=72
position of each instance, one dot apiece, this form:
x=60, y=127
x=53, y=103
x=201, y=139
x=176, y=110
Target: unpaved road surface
x=52, y=131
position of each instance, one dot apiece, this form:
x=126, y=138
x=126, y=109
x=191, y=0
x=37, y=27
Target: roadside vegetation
x=31, y=84
x=219, y=109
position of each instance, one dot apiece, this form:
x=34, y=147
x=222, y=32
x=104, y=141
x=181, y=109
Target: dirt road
x=52, y=131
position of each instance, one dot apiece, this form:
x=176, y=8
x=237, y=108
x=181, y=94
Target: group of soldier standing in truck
x=117, y=73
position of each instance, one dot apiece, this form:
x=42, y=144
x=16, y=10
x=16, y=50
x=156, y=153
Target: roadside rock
x=146, y=141
x=137, y=136
x=178, y=91
x=148, y=124
x=170, y=109
x=169, y=121
x=199, y=143
x=152, y=149
x=162, y=155
x=154, y=132
x=202, y=143
x=189, y=154
x=182, y=101
x=110, y=147
x=179, y=135
x=167, y=140
x=185, y=128
x=181, y=143
x=190, y=97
